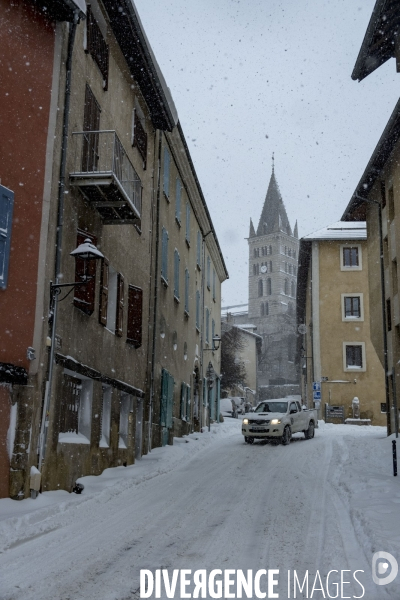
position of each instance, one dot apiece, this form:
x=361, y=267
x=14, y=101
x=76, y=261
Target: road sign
x=317, y=396
x=316, y=386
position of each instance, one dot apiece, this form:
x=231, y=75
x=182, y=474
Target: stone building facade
x=273, y=256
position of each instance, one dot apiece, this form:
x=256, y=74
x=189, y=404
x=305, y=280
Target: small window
x=254, y=269
x=286, y=288
x=164, y=256
x=76, y=406
x=135, y=316
x=350, y=258
x=266, y=309
x=96, y=46
x=270, y=266
x=269, y=287
x=354, y=356
x=383, y=407
x=178, y=197
x=352, y=307
x=106, y=417
x=260, y=288
x=187, y=237
x=167, y=161
x=270, y=249
x=177, y=261
x=6, y=213
x=293, y=289
x=262, y=309
x=125, y=420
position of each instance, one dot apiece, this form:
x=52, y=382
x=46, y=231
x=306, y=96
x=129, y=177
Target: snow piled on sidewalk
x=18, y=517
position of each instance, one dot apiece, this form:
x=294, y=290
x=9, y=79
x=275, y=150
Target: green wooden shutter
x=6, y=213
x=170, y=402
x=164, y=398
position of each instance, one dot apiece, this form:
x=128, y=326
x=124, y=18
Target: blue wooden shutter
x=188, y=222
x=164, y=398
x=178, y=200
x=6, y=212
x=213, y=286
x=170, y=403
x=167, y=160
x=198, y=309
x=164, y=254
x=187, y=291
x=199, y=248
x=176, y=273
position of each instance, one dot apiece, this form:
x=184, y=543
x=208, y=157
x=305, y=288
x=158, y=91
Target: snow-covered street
x=211, y=502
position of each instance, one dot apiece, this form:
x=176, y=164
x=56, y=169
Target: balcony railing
x=106, y=176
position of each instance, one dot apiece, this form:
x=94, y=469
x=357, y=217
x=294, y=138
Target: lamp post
x=86, y=252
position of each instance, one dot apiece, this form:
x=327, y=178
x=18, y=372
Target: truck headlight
x=245, y=421
x=275, y=421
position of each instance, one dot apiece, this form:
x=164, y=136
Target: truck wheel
x=309, y=433
x=287, y=435
x=248, y=440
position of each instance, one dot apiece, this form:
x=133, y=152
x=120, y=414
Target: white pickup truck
x=278, y=420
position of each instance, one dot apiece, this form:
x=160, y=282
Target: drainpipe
x=153, y=350
x=60, y=217
x=201, y=325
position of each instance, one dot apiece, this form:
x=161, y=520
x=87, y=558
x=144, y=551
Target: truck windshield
x=278, y=407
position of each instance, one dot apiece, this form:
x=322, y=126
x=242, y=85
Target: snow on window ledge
x=103, y=443
x=121, y=443
x=72, y=438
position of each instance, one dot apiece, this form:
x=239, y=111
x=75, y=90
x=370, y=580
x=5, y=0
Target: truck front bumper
x=263, y=431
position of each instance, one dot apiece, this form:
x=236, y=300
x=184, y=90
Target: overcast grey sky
x=252, y=77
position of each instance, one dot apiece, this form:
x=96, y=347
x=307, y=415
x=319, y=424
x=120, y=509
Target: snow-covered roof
x=342, y=230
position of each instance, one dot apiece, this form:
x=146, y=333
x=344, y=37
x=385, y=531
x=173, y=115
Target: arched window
x=286, y=269
x=269, y=287
x=270, y=249
x=285, y=250
x=270, y=266
x=262, y=309
x=294, y=253
x=260, y=288
x=266, y=309
x=254, y=270
x=258, y=269
x=286, y=290
x=290, y=269
x=290, y=252
x=255, y=252
x=293, y=289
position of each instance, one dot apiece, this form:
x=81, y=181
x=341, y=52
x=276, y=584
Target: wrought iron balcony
x=106, y=176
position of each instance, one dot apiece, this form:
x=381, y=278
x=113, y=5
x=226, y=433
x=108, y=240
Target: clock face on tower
x=263, y=269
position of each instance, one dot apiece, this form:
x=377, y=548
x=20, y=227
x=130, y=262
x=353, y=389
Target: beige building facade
x=334, y=316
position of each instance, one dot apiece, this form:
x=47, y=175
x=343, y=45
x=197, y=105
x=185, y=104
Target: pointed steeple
x=252, y=232
x=273, y=215
x=296, y=231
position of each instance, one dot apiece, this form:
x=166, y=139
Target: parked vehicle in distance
x=277, y=420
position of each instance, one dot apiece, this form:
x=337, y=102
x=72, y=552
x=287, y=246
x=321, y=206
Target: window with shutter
x=207, y=325
x=186, y=291
x=214, y=288
x=70, y=401
x=91, y=126
x=178, y=196
x=199, y=249
x=96, y=45
x=6, y=213
x=167, y=161
x=135, y=312
x=120, y=305
x=208, y=272
x=198, y=310
x=103, y=305
x=84, y=295
x=187, y=223
x=140, y=136
x=164, y=256
x=176, y=274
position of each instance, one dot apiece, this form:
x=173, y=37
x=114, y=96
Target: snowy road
x=212, y=503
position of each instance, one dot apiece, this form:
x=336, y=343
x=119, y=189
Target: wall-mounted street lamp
x=86, y=252
x=216, y=341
